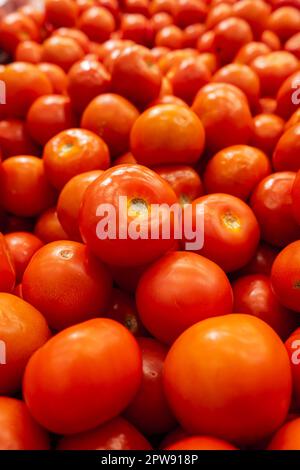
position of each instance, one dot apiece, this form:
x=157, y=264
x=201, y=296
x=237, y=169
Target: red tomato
x=48, y=228
x=61, y=12
x=272, y=204
x=80, y=289
x=15, y=139
x=255, y=12
x=149, y=410
x=179, y=290
x=98, y=367
x=293, y=45
x=187, y=12
x=250, y=51
x=28, y=51
x=123, y=310
x=268, y=128
x=285, y=22
x=288, y=96
x=137, y=28
x=184, y=180
x=18, y=431
x=200, y=443
x=62, y=51
x=56, y=76
x=73, y=33
x=97, y=23
x=22, y=246
x=230, y=35
x=216, y=353
x=286, y=155
x=15, y=28
x=287, y=437
x=169, y=36
x=117, y=434
x=7, y=268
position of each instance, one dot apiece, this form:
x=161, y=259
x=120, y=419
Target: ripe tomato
x=80, y=289
x=150, y=136
x=294, y=119
x=56, y=76
x=184, y=180
x=15, y=139
x=236, y=170
x=24, y=84
x=268, y=128
x=231, y=231
x=87, y=79
x=230, y=35
x=250, y=51
x=262, y=261
x=22, y=246
x=271, y=40
x=28, y=51
x=111, y=117
x=285, y=276
x=149, y=410
x=61, y=13
x=14, y=28
x=169, y=36
x=7, y=268
x=293, y=45
x=97, y=23
x=73, y=152
x=253, y=295
x=117, y=434
x=48, y=228
x=137, y=28
x=179, y=290
x=192, y=34
x=25, y=191
x=225, y=115
x=48, y=116
x=123, y=310
x=285, y=22
x=62, y=51
x=74, y=33
x=135, y=76
x=216, y=352
x=188, y=12
x=173, y=58
x=286, y=155
x=200, y=443
x=70, y=199
x=114, y=239
x=288, y=96
x=292, y=346
x=18, y=431
x=23, y=331
x=92, y=362
x=255, y=12
x=287, y=437
x=272, y=204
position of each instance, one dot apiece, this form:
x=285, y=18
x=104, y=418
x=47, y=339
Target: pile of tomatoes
x=113, y=342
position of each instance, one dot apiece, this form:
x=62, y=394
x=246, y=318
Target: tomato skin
x=72, y=152
x=225, y=115
x=169, y=36
x=217, y=350
x=28, y=51
x=250, y=51
x=117, y=434
x=23, y=330
x=15, y=139
x=253, y=295
x=176, y=292
x=137, y=28
x=231, y=231
x=48, y=228
x=236, y=170
x=268, y=128
x=201, y=443
x=292, y=346
x=61, y=13
x=271, y=203
x=184, y=180
x=285, y=22
x=293, y=45
x=92, y=362
x=14, y=27
x=255, y=12
x=18, y=430
x=56, y=76
x=80, y=289
x=22, y=246
x=136, y=183
x=25, y=190
x=287, y=437
x=97, y=23
x=230, y=35
x=7, y=268
x=73, y=33
x=149, y=140
x=285, y=276
x=62, y=51
x=286, y=153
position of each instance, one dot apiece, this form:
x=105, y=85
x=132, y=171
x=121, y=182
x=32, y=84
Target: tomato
x=271, y=40
x=218, y=13
x=188, y=12
x=225, y=115
x=273, y=69
x=15, y=28
x=97, y=23
x=262, y=261
x=104, y=234
x=267, y=105
x=18, y=430
x=111, y=117
x=92, y=361
x=75, y=34
x=149, y=410
x=28, y=51
x=285, y=276
x=255, y=12
x=287, y=437
x=179, y=290
x=272, y=204
x=30, y=11
x=80, y=289
x=117, y=434
x=15, y=139
x=62, y=51
x=73, y=152
x=124, y=311
x=292, y=346
x=253, y=295
x=48, y=228
x=24, y=84
x=250, y=51
x=70, y=200
x=61, y=13
x=48, y=116
x=137, y=28
x=184, y=180
x=286, y=153
x=56, y=76
x=293, y=45
x=161, y=5
x=230, y=35
x=236, y=170
x=288, y=96
x=150, y=136
x=7, y=270
x=192, y=34
x=173, y=58
x=168, y=99
x=188, y=77
x=23, y=331
x=244, y=78
x=160, y=20
x=216, y=353
x=87, y=79
x=230, y=229
x=285, y=22
x=22, y=246
x=169, y=36
x=200, y=443
x=25, y=190
x=268, y=128
x=294, y=119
